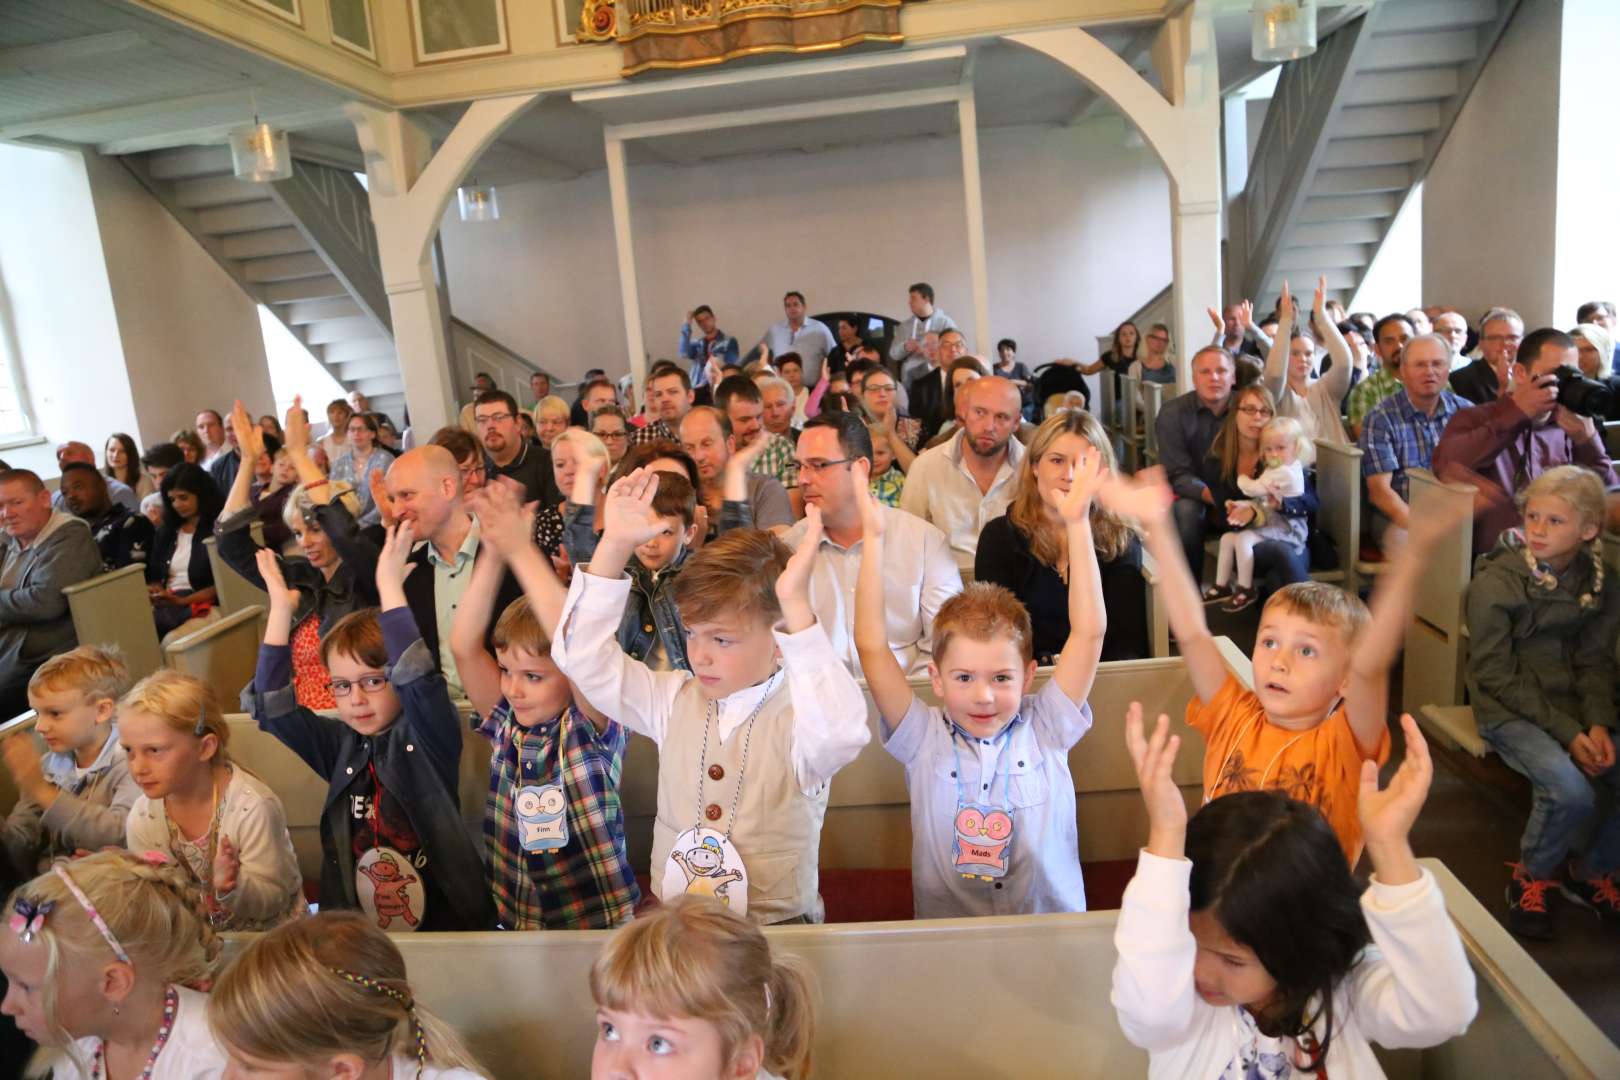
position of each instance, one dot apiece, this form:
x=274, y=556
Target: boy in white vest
x=750, y=738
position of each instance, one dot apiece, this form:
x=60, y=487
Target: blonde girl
x=1285, y=451
x=99, y=954
x=329, y=996
x=691, y=990
x=1541, y=626
x=224, y=828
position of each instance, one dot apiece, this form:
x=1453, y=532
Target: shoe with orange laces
x=1527, y=913
x=1600, y=894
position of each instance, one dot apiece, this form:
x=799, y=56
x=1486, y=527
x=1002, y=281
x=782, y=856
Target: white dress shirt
x=940, y=489
x=919, y=575
x=829, y=711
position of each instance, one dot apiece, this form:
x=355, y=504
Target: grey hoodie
x=34, y=620
x=88, y=813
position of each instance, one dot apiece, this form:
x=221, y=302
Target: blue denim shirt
x=723, y=348
x=650, y=613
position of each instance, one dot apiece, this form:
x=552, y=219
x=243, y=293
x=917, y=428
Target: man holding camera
x=1542, y=420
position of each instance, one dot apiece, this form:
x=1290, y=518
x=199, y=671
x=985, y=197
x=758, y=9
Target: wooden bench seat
x=1453, y=726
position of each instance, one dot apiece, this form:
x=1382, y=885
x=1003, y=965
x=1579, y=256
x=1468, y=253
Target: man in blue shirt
x=798, y=333
x=706, y=343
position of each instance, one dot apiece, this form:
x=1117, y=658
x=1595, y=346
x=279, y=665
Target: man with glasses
x=965, y=483
x=1186, y=429
x=1454, y=328
x=919, y=573
x=1390, y=335
x=1401, y=432
x=508, y=453
x=928, y=391
x=1481, y=382
x=609, y=424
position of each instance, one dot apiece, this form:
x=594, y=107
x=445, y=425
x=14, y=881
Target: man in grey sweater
x=42, y=552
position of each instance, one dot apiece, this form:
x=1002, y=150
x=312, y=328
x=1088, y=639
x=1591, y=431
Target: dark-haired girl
x=1246, y=949
x=179, y=579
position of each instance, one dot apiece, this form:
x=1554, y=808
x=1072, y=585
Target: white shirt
x=1411, y=988
x=919, y=574
x=180, y=564
x=829, y=711
x=941, y=490
x=404, y=1068
x=190, y=1053
x=1024, y=769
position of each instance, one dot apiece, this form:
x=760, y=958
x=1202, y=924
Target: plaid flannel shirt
x=1369, y=392
x=1396, y=437
x=778, y=461
x=588, y=883
x=654, y=431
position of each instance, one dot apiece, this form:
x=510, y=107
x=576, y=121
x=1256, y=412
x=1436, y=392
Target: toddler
x=1286, y=451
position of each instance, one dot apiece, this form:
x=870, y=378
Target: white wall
x=191, y=336
x=294, y=371
x=1078, y=229
x=1488, y=224
x=57, y=319
x=1394, y=281
x=1588, y=159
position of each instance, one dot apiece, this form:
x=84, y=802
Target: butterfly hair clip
x=28, y=918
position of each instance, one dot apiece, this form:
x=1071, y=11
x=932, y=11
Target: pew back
x=223, y=653
x=1152, y=400
x=1037, y=989
x=1338, y=488
x=235, y=591
x=112, y=609
x=1131, y=417
x=1435, y=638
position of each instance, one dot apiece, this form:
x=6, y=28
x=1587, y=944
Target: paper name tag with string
x=982, y=845
x=542, y=813
x=390, y=890
x=704, y=862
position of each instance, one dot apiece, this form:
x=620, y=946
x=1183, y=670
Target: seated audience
x=275, y=474
x=706, y=435
x=929, y=392
x=122, y=462
x=1272, y=503
x=777, y=399
x=612, y=427
x=110, y=948
x=329, y=996
x=272, y=427
x=580, y=465
x=335, y=443
x=1156, y=363
x=669, y=396
x=530, y=432
x=210, y=430
x=191, y=447
x=924, y=318
x=847, y=328
x=508, y=453
x=744, y=407
x=962, y=372
x=702, y=340
x=1390, y=335
x=158, y=459
x=1499, y=447
x=1541, y=626
x=901, y=434
x=1009, y=367
x=1290, y=378
x=76, y=795
x=1454, y=328
x=1025, y=550
x=1186, y=428
x=363, y=459
x=43, y=552
x=482, y=384
x=123, y=537
x=1402, y=432
x=1118, y=358
x=221, y=824
x=1237, y=332
x=551, y=418
x=179, y=577
x=1481, y=382
x=798, y=333
x=791, y=369
x=888, y=482
x=222, y=468
x=1602, y=313
x=919, y=573
x=1596, y=346
x=1299, y=967
x=469, y=455
x=925, y=360
x=596, y=393
x=78, y=453
x=693, y=965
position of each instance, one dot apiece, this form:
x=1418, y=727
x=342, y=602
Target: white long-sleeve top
x=1278, y=482
x=1411, y=988
x=1317, y=410
x=829, y=711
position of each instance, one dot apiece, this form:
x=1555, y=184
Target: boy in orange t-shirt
x=1321, y=670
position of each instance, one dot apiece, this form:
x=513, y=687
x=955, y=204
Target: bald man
x=121, y=493
x=424, y=489
x=965, y=483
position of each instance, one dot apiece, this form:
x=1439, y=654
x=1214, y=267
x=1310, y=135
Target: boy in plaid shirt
x=553, y=821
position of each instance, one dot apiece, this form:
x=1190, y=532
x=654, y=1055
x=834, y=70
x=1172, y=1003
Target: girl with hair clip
x=225, y=829
x=328, y=996
x=690, y=991
x=101, y=954
x=1541, y=624
x=1246, y=948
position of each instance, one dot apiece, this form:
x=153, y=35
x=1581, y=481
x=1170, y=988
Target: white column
x=624, y=244
x=967, y=120
x=1195, y=250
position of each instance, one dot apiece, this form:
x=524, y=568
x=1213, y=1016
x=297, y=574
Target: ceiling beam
x=209, y=134
x=523, y=157
x=776, y=114
x=40, y=125
x=1135, y=50
x=29, y=59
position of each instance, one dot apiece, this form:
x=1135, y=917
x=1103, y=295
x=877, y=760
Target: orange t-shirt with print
x=1246, y=752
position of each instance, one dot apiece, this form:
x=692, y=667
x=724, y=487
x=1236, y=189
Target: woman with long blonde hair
x=330, y=995
x=1025, y=549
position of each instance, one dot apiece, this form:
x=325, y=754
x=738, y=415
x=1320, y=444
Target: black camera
x=1583, y=396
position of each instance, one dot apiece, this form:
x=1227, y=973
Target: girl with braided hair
x=330, y=994
x=102, y=954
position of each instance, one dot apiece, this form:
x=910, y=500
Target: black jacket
x=327, y=600
x=124, y=537
x=927, y=401
x=198, y=570
x=1477, y=383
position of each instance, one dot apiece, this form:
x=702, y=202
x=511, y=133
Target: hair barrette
x=28, y=918
x=202, y=722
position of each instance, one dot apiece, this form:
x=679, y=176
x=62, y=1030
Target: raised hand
x=700, y=527
x=627, y=513
x=1215, y=317
x=249, y=436
x=274, y=582
x=295, y=427
x=1146, y=497
x=1429, y=529
x=587, y=481
x=1319, y=303
x=1246, y=315
x=396, y=551
x=380, y=497
x=744, y=457
x=1386, y=816
x=227, y=866
x=505, y=524
x=1285, y=304
x=1155, y=757
x=793, y=583
x=872, y=522
x=1088, y=478
x=23, y=762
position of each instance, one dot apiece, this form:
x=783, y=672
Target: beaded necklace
x=171, y=1006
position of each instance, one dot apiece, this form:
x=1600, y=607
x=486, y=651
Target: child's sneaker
x=1599, y=894
x=1242, y=600
x=1527, y=905
x=1214, y=594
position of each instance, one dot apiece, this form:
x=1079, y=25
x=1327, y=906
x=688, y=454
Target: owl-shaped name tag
x=982, y=846
x=542, y=817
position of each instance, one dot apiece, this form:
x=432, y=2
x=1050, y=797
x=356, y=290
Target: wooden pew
x=1152, y=401
x=235, y=591
x=1436, y=639
x=112, y=609
x=1131, y=417
x=1037, y=986
x=223, y=653
x=20, y=726
x=1338, y=488
x=1611, y=439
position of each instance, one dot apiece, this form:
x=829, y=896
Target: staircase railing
x=1308, y=93
x=333, y=211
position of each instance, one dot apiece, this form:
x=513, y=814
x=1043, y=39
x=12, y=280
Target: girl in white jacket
x=1245, y=950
